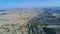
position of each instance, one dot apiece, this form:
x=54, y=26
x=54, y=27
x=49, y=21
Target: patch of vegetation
x=12, y=28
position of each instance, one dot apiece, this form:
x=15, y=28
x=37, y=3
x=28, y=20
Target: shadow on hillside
x=35, y=24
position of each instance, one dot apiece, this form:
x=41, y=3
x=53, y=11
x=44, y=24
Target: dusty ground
x=20, y=17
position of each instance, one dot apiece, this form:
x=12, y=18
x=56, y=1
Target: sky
x=28, y=3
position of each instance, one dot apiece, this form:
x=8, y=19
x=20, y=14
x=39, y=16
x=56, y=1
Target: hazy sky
x=28, y=3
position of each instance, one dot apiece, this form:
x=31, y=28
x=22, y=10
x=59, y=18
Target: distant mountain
x=3, y=10
x=52, y=10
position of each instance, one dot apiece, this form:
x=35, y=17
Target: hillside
x=30, y=21
x=47, y=22
x=17, y=17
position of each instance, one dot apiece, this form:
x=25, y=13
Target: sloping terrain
x=30, y=21
x=46, y=23
x=15, y=21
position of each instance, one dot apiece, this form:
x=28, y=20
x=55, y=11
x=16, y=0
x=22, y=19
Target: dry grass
x=20, y=17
